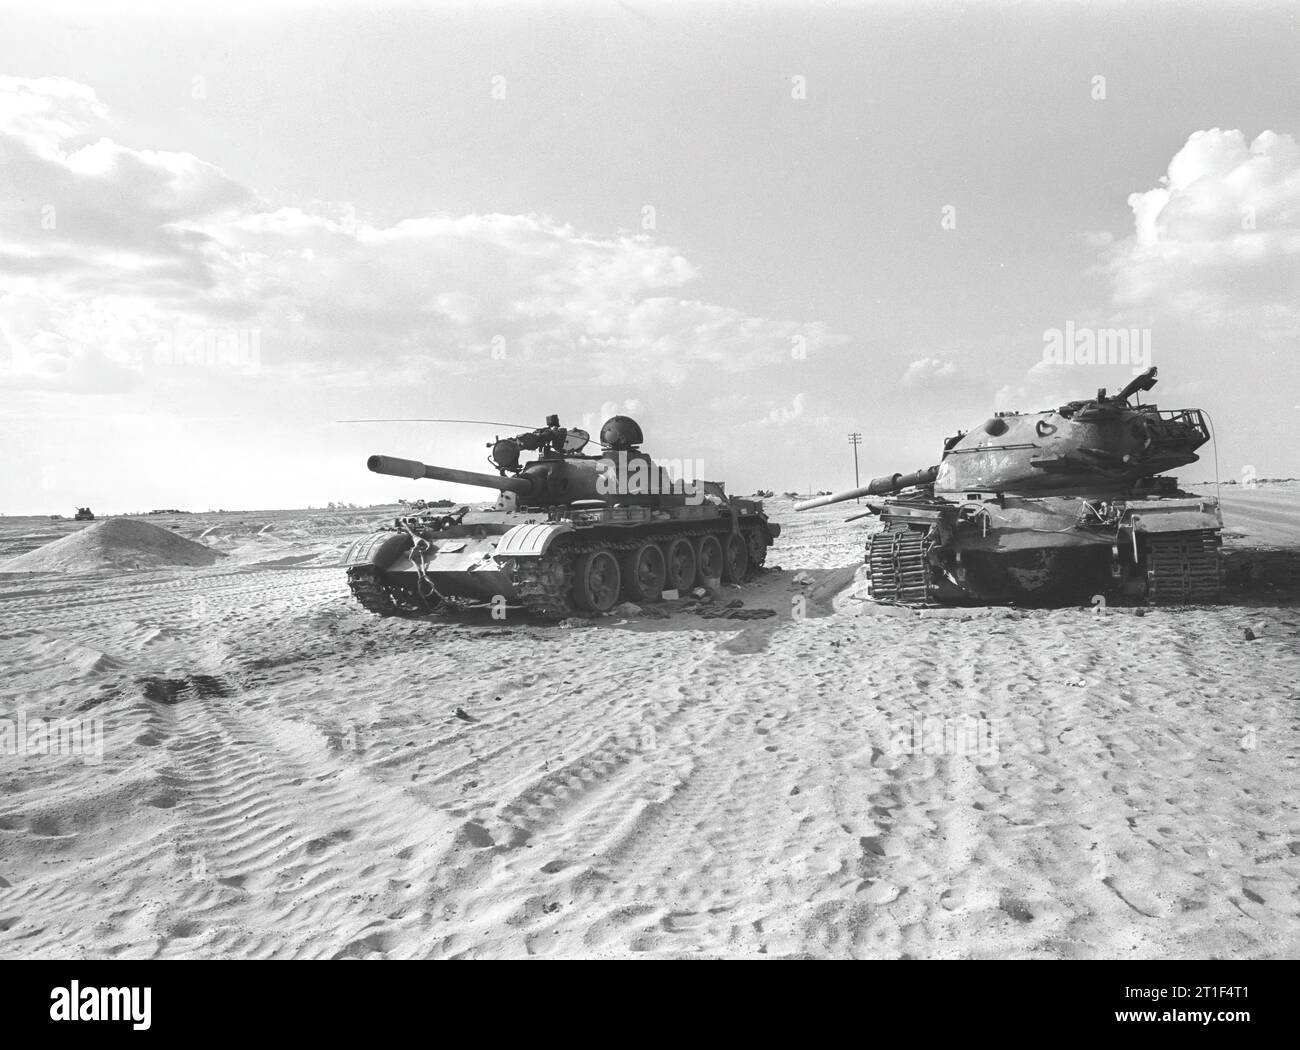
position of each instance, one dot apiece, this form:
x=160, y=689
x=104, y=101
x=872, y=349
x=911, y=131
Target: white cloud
x=109, y=247
x=1219, y=239
x=1210, y=272
x=929, y=372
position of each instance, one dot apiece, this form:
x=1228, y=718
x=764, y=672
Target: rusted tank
x=1050, y=506
x=570, y=531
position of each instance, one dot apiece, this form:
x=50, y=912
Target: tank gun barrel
x=412, y=468
x=877, y=487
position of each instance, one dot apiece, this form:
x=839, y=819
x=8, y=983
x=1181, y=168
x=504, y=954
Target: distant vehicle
x=84, y=514
x=1050, y=506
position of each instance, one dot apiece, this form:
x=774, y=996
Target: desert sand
x=284, y=775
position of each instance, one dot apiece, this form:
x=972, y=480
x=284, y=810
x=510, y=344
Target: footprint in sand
x=46, y=828
x=477, y=835
x=318, y=846
x=185, y=928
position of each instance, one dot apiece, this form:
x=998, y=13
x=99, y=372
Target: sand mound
x=117, y=543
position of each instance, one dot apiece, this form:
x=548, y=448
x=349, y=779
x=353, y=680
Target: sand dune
x=283, y=775
x=118, y=543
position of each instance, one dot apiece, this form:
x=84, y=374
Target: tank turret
x=563, y=475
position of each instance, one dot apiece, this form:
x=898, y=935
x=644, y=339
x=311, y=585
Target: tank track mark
x=1183, y=567
x=545, y=584
x=369, y=589
x=900, y=573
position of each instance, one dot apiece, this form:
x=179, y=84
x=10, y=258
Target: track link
x=900, y=574
x=375, y=595
x=545, y=584
x=1183, y=567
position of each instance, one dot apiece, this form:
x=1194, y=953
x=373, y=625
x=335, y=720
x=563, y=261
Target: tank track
x=900, y=574
x=368, y=587
x=545, y=584
x=1183, y=567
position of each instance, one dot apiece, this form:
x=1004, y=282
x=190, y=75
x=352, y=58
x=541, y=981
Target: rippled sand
x=284, y=775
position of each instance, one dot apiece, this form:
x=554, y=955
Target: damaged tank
x=570, y=532
x=1050, y=507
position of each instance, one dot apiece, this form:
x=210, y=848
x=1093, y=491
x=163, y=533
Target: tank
x=570, y=532
x=1049, y=508
x=84, y=514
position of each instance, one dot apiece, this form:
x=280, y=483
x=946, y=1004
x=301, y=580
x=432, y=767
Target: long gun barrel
x=877, y=487
x=411, y=468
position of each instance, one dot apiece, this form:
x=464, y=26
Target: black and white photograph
x=650, y=480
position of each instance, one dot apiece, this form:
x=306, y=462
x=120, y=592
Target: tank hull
x=1047, y=550
x=511, y=559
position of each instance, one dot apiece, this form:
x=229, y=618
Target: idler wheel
x=644, y=573
x=596, y=581
x=735, y=560
x=708, y=559
x=680, y=557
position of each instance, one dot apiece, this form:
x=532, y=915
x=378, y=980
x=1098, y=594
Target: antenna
x=482, y=422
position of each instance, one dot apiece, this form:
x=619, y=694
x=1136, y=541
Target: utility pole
x=855, y=439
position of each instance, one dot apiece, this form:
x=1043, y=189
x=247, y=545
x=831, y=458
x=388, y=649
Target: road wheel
x=708, y=560
x=644, y=572
x=735, y=559
x=680, y=558
x=596, y=581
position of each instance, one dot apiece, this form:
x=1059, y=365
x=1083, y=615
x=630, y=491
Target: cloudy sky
x=754, y=227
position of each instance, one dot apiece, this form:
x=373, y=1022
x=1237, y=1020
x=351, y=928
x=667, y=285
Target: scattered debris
x=730, y=613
